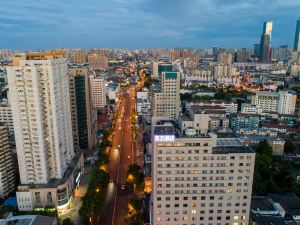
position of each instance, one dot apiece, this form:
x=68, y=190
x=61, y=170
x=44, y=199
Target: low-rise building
x=277, y=144
x=238, y=121
x=29, y=220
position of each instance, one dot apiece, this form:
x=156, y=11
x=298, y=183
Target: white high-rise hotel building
x=40, y=103
x=199, y=179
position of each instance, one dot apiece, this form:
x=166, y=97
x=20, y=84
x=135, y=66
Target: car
x=119, y=146
x=111, y=179
x=119, y=128
x=123, y=187
x=128, y=156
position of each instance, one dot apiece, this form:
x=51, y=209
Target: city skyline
x=144, y=24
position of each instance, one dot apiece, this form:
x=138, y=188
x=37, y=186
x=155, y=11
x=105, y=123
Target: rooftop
x=29, y=220
x=261, y=203
x=232, y=149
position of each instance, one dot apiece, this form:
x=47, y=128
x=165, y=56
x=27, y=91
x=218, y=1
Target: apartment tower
x=166, y=102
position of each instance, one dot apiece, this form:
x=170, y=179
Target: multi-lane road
x=123, y=153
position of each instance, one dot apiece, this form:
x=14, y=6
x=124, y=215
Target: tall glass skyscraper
x=297, y=36
x=265, y=43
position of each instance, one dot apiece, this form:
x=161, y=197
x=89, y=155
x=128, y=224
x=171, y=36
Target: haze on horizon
x=144, y=23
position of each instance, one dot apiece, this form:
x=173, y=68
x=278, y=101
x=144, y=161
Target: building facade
x=166, y=103
x=83, y=135
x=195, y=180
x=297, y=36
x=7, y=167
x=6, y=115
x=98, y=92
x=39, y=90
x=265, y=42
x=98, y=61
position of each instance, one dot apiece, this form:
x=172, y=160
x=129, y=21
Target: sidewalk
x=73, y=210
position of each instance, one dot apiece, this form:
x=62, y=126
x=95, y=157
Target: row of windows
x=209, y=191
x=203, y=198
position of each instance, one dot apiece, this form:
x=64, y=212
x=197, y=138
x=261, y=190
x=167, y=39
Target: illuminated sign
x=164, y=138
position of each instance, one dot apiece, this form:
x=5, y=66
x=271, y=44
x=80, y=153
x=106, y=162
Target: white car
x=128, y=156
x=119, y=146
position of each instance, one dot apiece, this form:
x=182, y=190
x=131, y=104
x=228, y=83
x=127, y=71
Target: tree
x=134, y=175
x=67, y=221
x=264, y=148
x=289, y=146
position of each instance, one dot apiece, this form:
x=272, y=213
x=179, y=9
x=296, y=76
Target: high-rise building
x=159, y=67
x=97, y=61
x=243, y=55
x=256, y=50
x=40, y=101
x=287, y=102
x=98, y=92
x=78, y=56
x=283, y=53
x=199, y=178
x=6, y=114
x=297, y=36
x=224, y=58
x=83, y=135
x=215, y=51
x=265, y=42
x=7, y=167
x=166, y=103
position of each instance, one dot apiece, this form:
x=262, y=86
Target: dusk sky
x=40, y=24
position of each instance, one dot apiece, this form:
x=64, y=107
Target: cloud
x=232, y=23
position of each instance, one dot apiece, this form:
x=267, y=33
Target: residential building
x=266, y=101
x=98, y=92
x=227, y=74
x=7, y=167
x=224, y=58
x=166, y=102
x=282, y=102
x=283, y=53
x=276, y=144
x=297, y=37
x=48, y=164
x=203, y=75
x=247, y=108
x=265, y=43
x=229, y=106
x=78, y=56
x=97, y=61
x=6, y=114
x=243, y=55
x=29, y=220
x=83, y=134
x=199, y=178
x=238, y=121
x=287, y=102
